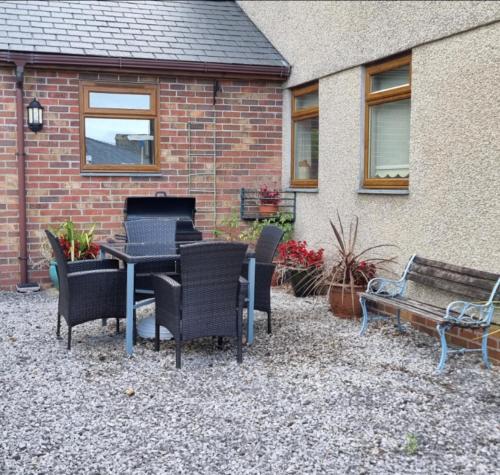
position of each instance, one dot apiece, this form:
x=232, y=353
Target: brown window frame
x=375, y=98
x=93, y=112
x=297, y=115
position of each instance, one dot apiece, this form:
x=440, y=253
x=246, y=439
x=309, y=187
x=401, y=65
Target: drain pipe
x=21, y=176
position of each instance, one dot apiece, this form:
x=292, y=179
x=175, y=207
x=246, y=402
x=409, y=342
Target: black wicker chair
x=264, y=269
x=151, y=231
x=88, y=290
x=209, y=299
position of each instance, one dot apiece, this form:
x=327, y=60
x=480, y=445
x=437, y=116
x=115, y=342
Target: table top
x=148, y=252
x=141, y=252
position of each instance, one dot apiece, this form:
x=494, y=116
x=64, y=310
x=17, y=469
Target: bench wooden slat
x=440, y=273
x=458, y=269
x=420, y=308
x=454, y=287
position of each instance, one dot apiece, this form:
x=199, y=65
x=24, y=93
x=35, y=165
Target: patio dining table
x=135, y=253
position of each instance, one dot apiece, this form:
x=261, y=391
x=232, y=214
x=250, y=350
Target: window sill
x=303, y=190
x=134, y=174
x=380, y=191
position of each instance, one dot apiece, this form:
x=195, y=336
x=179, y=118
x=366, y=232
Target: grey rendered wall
x=451, y=212
x=322, y=37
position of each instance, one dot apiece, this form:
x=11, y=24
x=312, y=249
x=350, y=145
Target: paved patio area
x=312, y=398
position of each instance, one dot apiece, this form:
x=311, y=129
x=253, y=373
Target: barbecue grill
x=181, y=208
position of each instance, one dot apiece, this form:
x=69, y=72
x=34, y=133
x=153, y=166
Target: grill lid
x=177, y=207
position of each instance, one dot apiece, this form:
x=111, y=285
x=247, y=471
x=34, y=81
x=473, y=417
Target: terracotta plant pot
x=344, y=308
x=268, y=209
x=304, y=283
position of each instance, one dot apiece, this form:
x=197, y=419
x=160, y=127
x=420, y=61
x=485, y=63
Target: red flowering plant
x=77, y=245
x=300, y=265
x=269, y=196
x=295, y=255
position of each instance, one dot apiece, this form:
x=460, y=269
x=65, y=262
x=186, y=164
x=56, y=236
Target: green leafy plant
x=281, y=220
x=77, y=245
x=411, y=445
x=229, y=227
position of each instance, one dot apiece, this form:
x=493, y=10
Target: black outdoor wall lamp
x=35, y=116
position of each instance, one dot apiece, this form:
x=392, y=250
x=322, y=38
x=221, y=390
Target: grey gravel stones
x=311, y=398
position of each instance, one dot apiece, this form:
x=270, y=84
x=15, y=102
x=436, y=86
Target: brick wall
x=248, y=130
x=461, y=337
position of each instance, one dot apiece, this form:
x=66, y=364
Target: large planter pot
x=345, y=305
x=268, y=209
x=304, y=282
x=53, y=274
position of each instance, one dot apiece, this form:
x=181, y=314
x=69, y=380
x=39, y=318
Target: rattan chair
x=209, y=299
x=264, y=269
x=88, y=290
x=150, y=230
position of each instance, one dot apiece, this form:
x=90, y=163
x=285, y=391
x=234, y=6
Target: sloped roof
x=201, y=31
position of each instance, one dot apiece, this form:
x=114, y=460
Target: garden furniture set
x=192, y=283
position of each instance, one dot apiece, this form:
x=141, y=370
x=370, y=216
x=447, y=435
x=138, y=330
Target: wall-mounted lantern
x=35, y=116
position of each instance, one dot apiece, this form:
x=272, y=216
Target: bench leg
x=398, y=322
x=484, y=348
x=442, y=329
x=364, y=322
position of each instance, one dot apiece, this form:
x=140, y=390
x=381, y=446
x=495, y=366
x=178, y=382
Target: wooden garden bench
x=482, y=287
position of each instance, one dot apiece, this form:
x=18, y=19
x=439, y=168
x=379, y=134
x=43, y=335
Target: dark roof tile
x=186, y=30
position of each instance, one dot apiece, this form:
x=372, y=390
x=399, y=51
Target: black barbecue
x=181, y=208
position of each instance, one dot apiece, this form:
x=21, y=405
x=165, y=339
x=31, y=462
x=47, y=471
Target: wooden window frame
x=298, y=115
x=381, y=97
x=108, y=113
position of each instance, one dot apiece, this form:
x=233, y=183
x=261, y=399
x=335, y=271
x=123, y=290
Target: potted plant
x=76, y=245
x=351, y=271
x=301, y=266
x=269, y=201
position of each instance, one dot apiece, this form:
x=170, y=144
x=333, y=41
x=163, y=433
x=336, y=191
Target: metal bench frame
x=460, y=313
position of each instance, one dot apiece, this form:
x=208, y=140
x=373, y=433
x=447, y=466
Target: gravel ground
x=311, y=398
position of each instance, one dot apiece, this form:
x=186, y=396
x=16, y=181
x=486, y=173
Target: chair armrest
x=242, y=288
x=92, y=264
x=386, y=287
x=168, y=294
x=468, y=313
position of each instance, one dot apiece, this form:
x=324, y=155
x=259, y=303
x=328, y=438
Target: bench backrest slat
x=459, y=280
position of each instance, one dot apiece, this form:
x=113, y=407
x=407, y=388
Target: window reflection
x=110, y=141
x=113, y=100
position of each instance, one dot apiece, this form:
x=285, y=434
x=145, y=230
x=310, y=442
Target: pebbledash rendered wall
x=451, y=212
x=248, y=130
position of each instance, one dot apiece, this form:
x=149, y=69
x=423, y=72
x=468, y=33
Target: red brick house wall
x=249, y=144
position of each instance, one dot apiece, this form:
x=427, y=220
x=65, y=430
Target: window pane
x=306, y=141
x=390, y=139
x=119, y=141
x=389, y=79
x=306, y=101
x=113, y=100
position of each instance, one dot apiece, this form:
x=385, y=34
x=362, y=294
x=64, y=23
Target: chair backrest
x=267, y=243
x=62, y=264
x=459, y=280
x=151, y=230
x=209, y=276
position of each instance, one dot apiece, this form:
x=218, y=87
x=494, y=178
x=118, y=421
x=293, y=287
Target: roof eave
x=161, y=66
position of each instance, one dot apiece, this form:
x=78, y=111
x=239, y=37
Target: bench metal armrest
x=468, y=313
x=386, y=287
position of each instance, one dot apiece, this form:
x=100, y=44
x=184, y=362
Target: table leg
x=251, y=298
x=129, y=333
x=102, y=255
